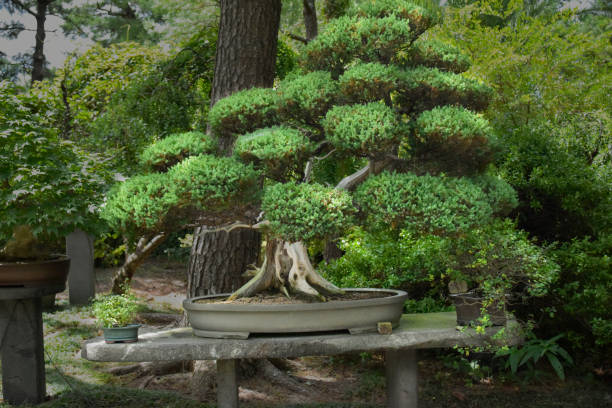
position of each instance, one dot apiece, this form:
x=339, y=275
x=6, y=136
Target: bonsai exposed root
x=287, y=267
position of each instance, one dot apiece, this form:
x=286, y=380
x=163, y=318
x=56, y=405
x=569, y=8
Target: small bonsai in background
x=48, y=187
x=369, y=91
x=115, y=310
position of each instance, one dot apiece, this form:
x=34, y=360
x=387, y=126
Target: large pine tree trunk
x=246, y=58
x=38, y=58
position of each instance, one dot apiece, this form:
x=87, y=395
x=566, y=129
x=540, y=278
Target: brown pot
x=469, y=305
x=34, y=273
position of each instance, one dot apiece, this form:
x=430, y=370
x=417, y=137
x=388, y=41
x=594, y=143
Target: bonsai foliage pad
x=239, y=320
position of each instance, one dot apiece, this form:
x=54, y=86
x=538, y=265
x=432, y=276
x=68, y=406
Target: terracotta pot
x=236, y=320
x=35, y=273
x=469, y=305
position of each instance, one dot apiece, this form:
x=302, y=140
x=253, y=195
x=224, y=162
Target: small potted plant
x=115, y=314
x=48, y=188
x=497, y=266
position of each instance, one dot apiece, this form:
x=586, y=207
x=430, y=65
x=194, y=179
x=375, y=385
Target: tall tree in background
x=310, y=19
x=39, y=9
x=112, y=21
x=245, y=58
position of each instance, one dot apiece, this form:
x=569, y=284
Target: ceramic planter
x=237, y=320
x=469, y=305
x=34, y=273
x=125, y=334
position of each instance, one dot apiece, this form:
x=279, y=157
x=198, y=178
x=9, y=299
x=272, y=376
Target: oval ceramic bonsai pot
x=35, y=273
x=124, y=334
x=469, y=306
x=239, y=320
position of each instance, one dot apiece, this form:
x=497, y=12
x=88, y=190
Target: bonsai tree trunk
x=246, y=58
x=287, y=267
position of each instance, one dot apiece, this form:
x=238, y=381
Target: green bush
x=459, y=140
x=561, y=195
x=162, y=155
x=429, y=204
x=362, y=129
x=583, y=293
x=419, y=18
x=280, y=150
x=140, y=204
x=307, y=97
x=369, y=82
x=244, y=111
x=47, y=183
x=301, y=212
x=496, y=256
x=349, y=38
x=433, y=54
x=424, y=88
x=115, y=310
x=212, y=183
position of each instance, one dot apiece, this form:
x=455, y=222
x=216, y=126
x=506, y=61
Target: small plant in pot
x=48, y=188
x=497, y=267
x=115, y=314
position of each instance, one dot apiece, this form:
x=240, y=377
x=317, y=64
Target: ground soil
x=356, y=379
x=278, y=298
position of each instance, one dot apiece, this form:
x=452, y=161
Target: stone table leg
x=402, y=378
x=23, y=362
x=227, y=384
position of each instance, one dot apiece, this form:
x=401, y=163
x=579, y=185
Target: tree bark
x=133, y=260
x=38, y=59
x=310, y=19
x=246, y=58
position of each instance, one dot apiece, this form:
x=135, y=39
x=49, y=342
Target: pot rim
x=191, y=305
x=57, y=258
x=128, y=326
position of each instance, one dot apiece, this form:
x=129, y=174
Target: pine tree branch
x=23, y=7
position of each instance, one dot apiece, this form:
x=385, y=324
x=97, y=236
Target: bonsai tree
x=48, y=187
x=368, y=89
x=115, y=310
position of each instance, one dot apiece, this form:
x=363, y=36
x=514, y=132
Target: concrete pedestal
x=81, y=278
x=227, y=384
x=402, y=378
x=21, y=344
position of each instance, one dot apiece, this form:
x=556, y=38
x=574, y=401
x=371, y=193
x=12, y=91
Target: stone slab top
x=418, y=331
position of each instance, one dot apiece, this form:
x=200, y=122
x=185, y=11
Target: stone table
x=416, y=331
x=21, y=343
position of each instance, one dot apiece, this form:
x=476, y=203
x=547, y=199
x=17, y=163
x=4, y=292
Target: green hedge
x=165, y=153
x=213, y=183
x=307, y=97
x=244, y=111
x=362, y=129
x=419, y=18
x=306, y=211
x=428, y=204
x=461, y=141
x=140, y=204
x=349, y=38
x=369, y=82
x=279, y=150
x=434, y=54
x=424, y=88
